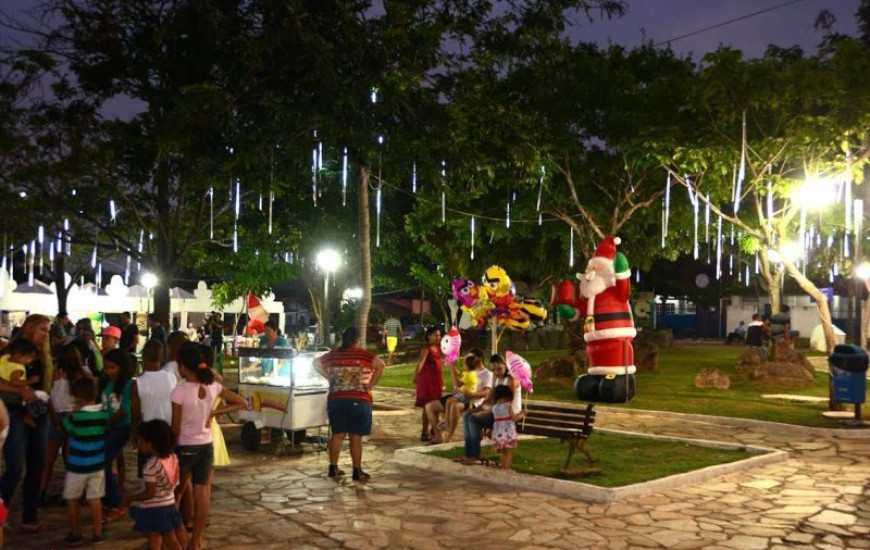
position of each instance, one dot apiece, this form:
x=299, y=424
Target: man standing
x=393, y=330
x=215, y=329
x=157, y=330
x=61, y=330
x=129, y=334
x=352, y=373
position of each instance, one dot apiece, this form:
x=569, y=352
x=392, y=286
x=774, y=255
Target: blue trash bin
x=848, y=367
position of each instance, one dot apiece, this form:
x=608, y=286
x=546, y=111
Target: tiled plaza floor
x=819, y=498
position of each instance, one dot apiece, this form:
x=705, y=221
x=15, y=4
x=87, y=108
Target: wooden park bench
x=570, y=424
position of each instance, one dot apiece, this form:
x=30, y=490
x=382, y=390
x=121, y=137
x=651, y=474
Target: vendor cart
x=286, y=397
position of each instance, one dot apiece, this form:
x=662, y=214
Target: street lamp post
x=329, y=261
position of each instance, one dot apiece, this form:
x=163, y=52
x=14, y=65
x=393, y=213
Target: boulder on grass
x=646, y=351
x=749, y=360
x=664, y=337
x=778, y=373
x=556, y=367
x=712, y=378
x=783, y=352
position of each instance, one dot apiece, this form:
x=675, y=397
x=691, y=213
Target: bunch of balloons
x=496, y=297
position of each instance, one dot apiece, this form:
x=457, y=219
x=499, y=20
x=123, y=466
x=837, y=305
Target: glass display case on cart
x=286, y=396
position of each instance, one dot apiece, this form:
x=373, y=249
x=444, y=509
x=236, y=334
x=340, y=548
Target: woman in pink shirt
x=192, y=416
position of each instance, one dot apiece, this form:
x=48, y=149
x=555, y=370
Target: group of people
x=760, y=332
x=483, y=399
x=93, y=406
x=96, y=407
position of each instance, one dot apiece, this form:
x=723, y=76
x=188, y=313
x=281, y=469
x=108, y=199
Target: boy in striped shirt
x=86, y=461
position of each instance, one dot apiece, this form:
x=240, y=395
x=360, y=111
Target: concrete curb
x=419, y=457
x=843, y=433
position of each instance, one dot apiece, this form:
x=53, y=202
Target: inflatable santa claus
x=608, y=327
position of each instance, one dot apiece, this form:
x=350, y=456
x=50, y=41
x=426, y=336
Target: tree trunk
x=365, y=255
x=422, y=299
x=865, y=317
x=161, y=303
x=821, y=301
x=59, y=282
x=163, y=265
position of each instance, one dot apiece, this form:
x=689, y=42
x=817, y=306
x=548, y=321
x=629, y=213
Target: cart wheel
x=295, y=436
x=251, y=437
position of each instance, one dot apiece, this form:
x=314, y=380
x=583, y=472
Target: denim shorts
x=460, y=397
x=55, y=432
x=196, y=459
x=352, y=416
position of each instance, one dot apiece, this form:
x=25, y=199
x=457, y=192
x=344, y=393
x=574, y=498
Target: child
x=116, y=386
x=192, y=416
x=504, y=430
x=86, y=461
x=69, y=368
x=464, y=381
x=221, y=456
x=156, y=514
x=175, y=340
x=151, y=391
x=17, y=354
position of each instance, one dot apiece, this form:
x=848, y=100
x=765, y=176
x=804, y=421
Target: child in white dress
x=504, y=429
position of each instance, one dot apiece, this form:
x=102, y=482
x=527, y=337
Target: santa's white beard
x=598, y=277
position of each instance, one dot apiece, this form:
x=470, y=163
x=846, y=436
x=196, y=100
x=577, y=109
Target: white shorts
x=93, y=485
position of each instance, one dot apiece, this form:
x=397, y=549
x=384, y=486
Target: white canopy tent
x=116, y=297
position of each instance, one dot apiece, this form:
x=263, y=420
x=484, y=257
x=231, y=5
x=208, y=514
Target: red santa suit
x=608, y=326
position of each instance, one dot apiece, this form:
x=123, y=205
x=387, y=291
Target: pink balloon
x=450, y=344
x=520, y=370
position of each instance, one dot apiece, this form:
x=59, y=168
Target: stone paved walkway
x=819, y=498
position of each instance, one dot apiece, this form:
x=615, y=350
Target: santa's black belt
x=616, y=316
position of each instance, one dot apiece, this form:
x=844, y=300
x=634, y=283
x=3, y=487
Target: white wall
x=804, y=314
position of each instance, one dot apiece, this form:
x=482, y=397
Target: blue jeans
x=472, y=427
x=116, y=438
x=24, y=445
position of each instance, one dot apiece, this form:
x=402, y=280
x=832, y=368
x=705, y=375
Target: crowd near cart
x=286, y=397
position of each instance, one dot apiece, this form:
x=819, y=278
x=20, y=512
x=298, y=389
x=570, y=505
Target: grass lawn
x=672, y=387
x=545, y=457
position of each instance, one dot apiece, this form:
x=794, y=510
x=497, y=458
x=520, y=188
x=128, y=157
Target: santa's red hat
x=607, y=247
x=256, y=311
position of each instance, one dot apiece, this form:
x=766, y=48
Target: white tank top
x=155, y=389
x=517, y=403
x=61, y=398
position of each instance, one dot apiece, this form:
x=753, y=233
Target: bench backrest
x=557, y=417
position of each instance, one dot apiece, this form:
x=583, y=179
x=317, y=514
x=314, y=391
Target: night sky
x=662, y=20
